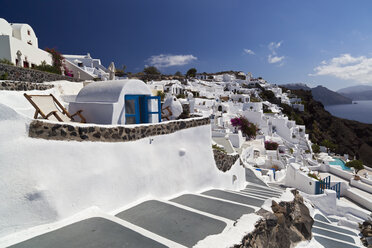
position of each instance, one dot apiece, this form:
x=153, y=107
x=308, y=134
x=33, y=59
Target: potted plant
x=357, y=165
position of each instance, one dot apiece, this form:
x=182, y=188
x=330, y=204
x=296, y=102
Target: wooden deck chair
x=51, y=109
x=166, y=115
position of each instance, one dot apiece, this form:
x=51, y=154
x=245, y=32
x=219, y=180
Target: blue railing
x=273, y=172
x=337, y=188
x=320, y=186
x=324, y=184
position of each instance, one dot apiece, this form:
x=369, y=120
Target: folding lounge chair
x=51, y=109
x=166, y=115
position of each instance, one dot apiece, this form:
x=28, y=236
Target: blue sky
x=326, y=42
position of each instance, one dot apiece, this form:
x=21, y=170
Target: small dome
x=5, y=27
x=112, y=91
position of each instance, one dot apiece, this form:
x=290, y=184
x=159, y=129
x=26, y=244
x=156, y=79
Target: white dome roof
x=112, y=91
x=5, y=27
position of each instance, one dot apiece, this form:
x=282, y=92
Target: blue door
x=132, y=109
x=152, y=109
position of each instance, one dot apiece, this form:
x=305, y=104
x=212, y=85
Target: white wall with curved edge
x=53, y=180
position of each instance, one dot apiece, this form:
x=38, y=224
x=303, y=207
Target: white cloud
x=275, y=59
x=168, y=60
x=249, y=51
x=346, y=67
x=274, y=46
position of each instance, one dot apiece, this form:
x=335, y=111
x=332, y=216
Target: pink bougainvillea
x=271, y=145
x=248, y=129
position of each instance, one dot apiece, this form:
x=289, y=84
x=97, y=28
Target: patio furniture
x=51, y=109
x=168, y=114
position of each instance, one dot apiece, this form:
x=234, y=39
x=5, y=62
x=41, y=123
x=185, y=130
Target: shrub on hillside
x=329, y=145
x=316, y=148
x=271, y=145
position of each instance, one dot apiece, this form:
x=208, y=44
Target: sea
x=359, y=111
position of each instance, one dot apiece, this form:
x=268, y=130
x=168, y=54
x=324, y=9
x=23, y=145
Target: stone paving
x=184, y=220
x=90, y=233
x=216, y=207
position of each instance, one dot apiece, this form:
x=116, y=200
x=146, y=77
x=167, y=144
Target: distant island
x=322, y=94
x=357, y=93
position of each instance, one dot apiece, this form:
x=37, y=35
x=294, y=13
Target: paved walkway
x=330, y=235
x=182, y=221
x=89, y=233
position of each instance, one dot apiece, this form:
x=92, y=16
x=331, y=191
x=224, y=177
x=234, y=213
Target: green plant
x=356, y=164
x=178, y=74
x=48, y=68
x=315, y=148
x=312, y=175
x=329, y=145
x=181, y=96
x=216, y=147
x=57, y=59
x=255, y=99
x=151, y=70
x=120, y=72
x=161, y=94
x=307, y=151
x=268, y=111
x=191, y=72
x=248, y=129
x=6, y=61
x=291, y=150
x=4, y=76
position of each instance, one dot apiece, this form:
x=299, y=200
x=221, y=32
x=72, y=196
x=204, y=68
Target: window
x=142, y=109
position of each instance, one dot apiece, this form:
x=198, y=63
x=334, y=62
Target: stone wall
x=224, y=161
x=84, y=132
x=23, y=86
x=30, y=75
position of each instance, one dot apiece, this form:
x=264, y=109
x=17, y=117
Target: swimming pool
x=339, y=162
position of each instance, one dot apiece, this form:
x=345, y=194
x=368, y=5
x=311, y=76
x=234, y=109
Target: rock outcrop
x=224, y=161
x=366, y=231
x=289, y=224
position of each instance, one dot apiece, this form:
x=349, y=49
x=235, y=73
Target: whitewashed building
x=127, y=101
x=19, y=44
x=85, y=67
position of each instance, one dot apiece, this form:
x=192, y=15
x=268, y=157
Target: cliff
x=351, y=137
x=322, y=94
x=329, y=97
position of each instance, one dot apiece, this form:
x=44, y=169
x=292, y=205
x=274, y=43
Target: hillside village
x=191, y=161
